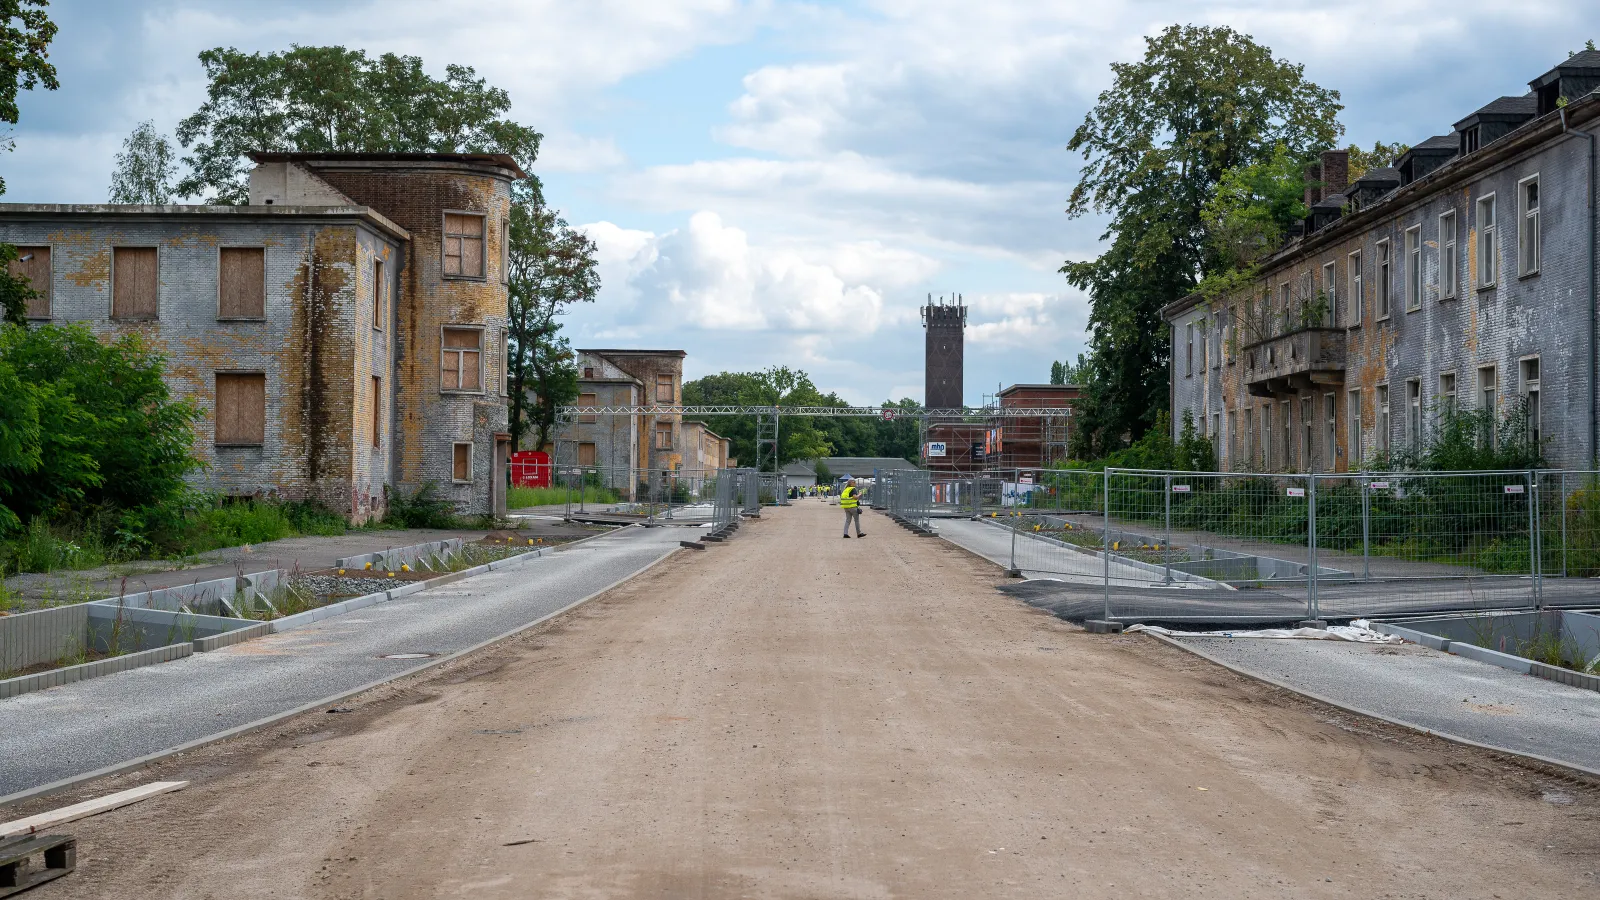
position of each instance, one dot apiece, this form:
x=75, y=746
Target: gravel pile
x=343, y=586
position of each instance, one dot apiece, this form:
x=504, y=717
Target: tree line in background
x=1197, y=156
x=801, y=437
x=94, y=449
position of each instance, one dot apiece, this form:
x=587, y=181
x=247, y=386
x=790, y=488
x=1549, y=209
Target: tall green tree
x=553, y=266
x=799, y=437
x=1203, y=101
x=25, y=35
x=145, y=168
x=332, y=99
x=1381, y=154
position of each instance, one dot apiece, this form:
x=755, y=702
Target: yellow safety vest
x=847, y=499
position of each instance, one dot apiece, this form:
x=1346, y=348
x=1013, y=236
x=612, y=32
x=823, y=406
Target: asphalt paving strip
x=1458, y=699
x=52, y=738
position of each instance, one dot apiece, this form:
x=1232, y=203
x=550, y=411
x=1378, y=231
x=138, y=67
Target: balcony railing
x=1293, y=362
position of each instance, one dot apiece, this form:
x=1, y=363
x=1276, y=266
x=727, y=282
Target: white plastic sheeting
x=1359, y=631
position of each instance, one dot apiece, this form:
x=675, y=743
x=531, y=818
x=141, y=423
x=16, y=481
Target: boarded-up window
x=586, y=454
x=380, y=295
x=33, y=263
x=241, y=409
x=134, y=283
x=463, y=244
x=461, y=360
x=377, y=410
x=243, y=282
x=663, y=435
x=462, y=460
x=664, y=389
x=588, y=400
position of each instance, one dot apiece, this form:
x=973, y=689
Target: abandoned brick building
x=1462, y=277
x=344, y=333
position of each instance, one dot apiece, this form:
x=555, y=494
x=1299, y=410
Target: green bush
x=239, y=522
x=521, y=497
x=421, y=509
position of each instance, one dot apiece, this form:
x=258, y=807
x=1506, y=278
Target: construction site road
x=793, y=715
x=91, y=725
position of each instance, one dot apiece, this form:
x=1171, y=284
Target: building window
x=586, y=454
x=1353, y=271
x=461, y=360
x=461, y=462
x=505, y=251
x=1530, y=393
x=377, y=411
x=1205, y=346
x=1486, y=242
x=1266, y=436
x=1286, y=455
x=1447, y=395
x=380, y=295
x=1381, y=415
x=134, y=283
x=1216, y=429
x=663, y=435
x=1353, y=431
x=1233, y=439
x=588, y=400
x=1414, y=268
x=1383, y=279
x=242, y=283
x=1219, y=334
x=1329, y=295
x=33, y=263
x=1306, y=424
x=463, y=244
x=241, y=413
x=1528, y=226
x=1188, y=361
x=1414, y=413
x=664, y=392
x=1284, y=298
x=588, y=371
x=1447, y=255
x=1488, y=401
x=1328, y=442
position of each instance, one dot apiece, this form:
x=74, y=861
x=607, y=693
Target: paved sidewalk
x=66, y=731
x=1433, y=690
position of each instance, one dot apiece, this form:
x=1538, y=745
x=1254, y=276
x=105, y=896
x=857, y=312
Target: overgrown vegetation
x=522, y=497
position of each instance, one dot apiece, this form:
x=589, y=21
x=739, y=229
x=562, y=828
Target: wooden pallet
x=60, y=852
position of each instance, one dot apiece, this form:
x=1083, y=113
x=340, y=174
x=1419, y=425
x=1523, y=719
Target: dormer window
x=1469, y=140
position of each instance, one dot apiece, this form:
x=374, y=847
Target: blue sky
x=775, y=182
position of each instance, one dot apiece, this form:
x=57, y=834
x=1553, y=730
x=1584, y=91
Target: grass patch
x=521, y=497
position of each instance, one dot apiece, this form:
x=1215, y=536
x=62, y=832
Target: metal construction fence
x=907, y=493
x=646, y=494
x=1211, y=546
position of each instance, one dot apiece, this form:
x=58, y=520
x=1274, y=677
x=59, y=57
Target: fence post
x=1105, y=533
x=1166, y=541
x=1313, y=606
x=1015, y=524
x=1366, y=527
x=1533, y=539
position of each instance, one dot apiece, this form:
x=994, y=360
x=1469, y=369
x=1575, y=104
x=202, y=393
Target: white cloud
x=708, y=275
x=1036, y=321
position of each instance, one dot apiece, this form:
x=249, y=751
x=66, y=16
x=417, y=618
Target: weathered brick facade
x=347, y=339
x=1277, y=374
x=618, y=443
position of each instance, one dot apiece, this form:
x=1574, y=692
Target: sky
x=785, y=183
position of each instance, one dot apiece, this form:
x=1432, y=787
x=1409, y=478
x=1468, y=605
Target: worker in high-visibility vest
x=850, y=502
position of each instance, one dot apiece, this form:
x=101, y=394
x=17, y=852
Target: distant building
x=703, y=449
x=623, y=449
x=804, y=473
x=344, y=333
x=1463, y=277
x=944, y=352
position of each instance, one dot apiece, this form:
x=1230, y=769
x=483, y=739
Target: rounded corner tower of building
x=944, y=324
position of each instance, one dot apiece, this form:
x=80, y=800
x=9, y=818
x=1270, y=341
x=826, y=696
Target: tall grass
x=521, y=497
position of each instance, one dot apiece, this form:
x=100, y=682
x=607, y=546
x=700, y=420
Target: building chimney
x=1313, y=186
x=1335, y=172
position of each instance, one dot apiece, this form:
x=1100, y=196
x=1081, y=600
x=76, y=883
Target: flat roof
x=634, y=352
x=497, y=160
x=201, y=210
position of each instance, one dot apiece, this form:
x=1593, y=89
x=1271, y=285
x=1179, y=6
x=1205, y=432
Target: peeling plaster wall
x=1544, y=315
x=307, y=343
x=430, y=422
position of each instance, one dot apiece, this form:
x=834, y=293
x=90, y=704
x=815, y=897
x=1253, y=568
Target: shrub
x=422, y=509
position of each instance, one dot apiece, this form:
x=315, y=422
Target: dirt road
x=793, y=715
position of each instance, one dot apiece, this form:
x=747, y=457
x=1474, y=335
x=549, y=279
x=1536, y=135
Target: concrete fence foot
x=1102, y=626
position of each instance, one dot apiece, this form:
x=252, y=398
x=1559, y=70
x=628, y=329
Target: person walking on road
x=850, y=502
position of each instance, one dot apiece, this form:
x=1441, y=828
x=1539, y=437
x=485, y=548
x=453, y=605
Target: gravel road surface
x=794, y=715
